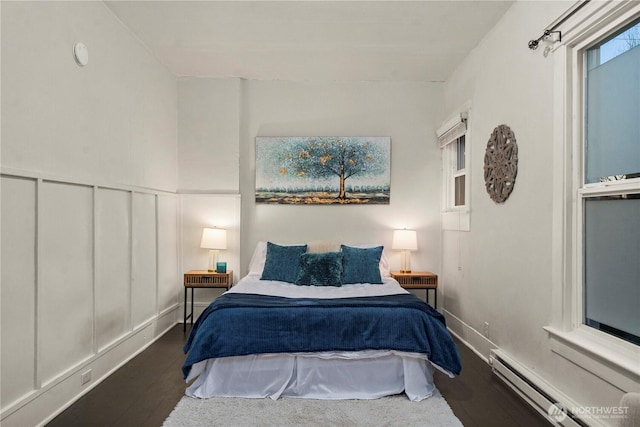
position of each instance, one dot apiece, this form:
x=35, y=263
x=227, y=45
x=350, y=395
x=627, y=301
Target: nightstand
x=419, y=280
x=203, y=279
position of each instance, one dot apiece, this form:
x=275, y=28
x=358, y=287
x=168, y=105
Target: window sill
x=611, y=359
x=456, y=220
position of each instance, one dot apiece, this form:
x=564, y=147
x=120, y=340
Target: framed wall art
x=323, y=170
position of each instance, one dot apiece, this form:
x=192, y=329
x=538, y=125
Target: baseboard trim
x=43, y=405
x=534, y=390
x=473, y=339
x=537, y=392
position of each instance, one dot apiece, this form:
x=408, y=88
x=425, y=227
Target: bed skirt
x=327, y=375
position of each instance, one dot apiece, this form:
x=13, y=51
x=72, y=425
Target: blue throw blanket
x=238, y=324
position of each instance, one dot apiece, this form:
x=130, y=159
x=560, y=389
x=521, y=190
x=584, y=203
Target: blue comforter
x=238, y=324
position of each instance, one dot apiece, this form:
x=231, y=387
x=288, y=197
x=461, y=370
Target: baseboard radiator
x=533, y=390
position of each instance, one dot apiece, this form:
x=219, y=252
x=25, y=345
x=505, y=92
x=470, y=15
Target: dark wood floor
x=144, y=391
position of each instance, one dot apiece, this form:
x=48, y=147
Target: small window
x=454, y=141
x=459, y=173
x=454, y=174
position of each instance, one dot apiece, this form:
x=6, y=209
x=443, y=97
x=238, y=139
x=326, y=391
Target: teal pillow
x=320, y=269
x=282, y=262
x=361, y=265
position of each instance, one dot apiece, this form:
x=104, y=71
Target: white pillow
x=256, y=265
x=319, y=246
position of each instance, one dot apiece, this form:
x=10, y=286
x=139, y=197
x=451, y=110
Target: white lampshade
x=214, y=238
x=406, y=240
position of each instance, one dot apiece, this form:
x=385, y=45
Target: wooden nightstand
x=203, y=279
x=419, y=280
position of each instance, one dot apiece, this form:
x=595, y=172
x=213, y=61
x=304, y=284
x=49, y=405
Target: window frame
x=598, y=352
x=586, y=190
x=451, y=172
x=454, y=217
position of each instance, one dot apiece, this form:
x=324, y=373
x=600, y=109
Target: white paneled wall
x=167, y=237
x=65, y=285
x=143, y=290
x=89, y=210
x=113, y=265
x=18, y=292
x=89, y=278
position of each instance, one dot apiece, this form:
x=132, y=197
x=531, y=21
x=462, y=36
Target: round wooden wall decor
x=501, y=163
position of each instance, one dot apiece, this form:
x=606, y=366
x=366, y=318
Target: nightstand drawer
x=203, y=279
x=408, y=280
x=419, y=280
x=206, y=280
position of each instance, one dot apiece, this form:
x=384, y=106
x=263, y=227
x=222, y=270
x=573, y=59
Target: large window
x=609, y=190
x=595, y=271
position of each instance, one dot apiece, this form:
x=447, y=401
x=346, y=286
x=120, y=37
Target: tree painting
x=323, y=170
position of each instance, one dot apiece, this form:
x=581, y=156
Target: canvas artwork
x=323, y=170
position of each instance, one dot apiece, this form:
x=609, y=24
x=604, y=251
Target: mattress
x=364, y=374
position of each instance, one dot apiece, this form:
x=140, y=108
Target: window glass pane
x=612, y=267
x=459, y=190
x=617, y=45
x=613, y=107
x=460, y=153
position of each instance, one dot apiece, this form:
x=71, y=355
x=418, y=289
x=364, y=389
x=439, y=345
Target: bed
x=321, y=321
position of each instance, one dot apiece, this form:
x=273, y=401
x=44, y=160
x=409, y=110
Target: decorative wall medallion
x=501, y=163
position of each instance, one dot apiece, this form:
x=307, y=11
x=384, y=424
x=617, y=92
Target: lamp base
x=213, y=259
x=405, y=262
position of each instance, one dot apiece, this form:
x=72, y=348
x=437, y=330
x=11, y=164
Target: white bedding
x=328, y=375
x=251, y=284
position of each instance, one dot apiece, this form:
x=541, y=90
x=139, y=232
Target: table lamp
x=213, y=239
x=405, y=241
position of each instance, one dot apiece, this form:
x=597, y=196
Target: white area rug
x=387, y=411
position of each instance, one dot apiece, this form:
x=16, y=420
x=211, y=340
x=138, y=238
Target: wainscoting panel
x=144, y=260
x=18, y=292
x=169, y=281
x=65, y=292
x=89, y=279
x=113, y=265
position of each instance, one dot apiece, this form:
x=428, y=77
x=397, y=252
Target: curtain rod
x=552, y=28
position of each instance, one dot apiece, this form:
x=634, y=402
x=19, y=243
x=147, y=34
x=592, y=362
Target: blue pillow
x=361, y=265
x=282, y=262
x=320, y=269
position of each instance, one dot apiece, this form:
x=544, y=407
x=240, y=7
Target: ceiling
x=311, y=40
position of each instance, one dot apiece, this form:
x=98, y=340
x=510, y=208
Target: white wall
x=405, y=111
x=209, y=210
x=208, y=126
x=210, y=108
x=208, y=173
x=505, y=260
x=89, y=211
x=113, y=120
